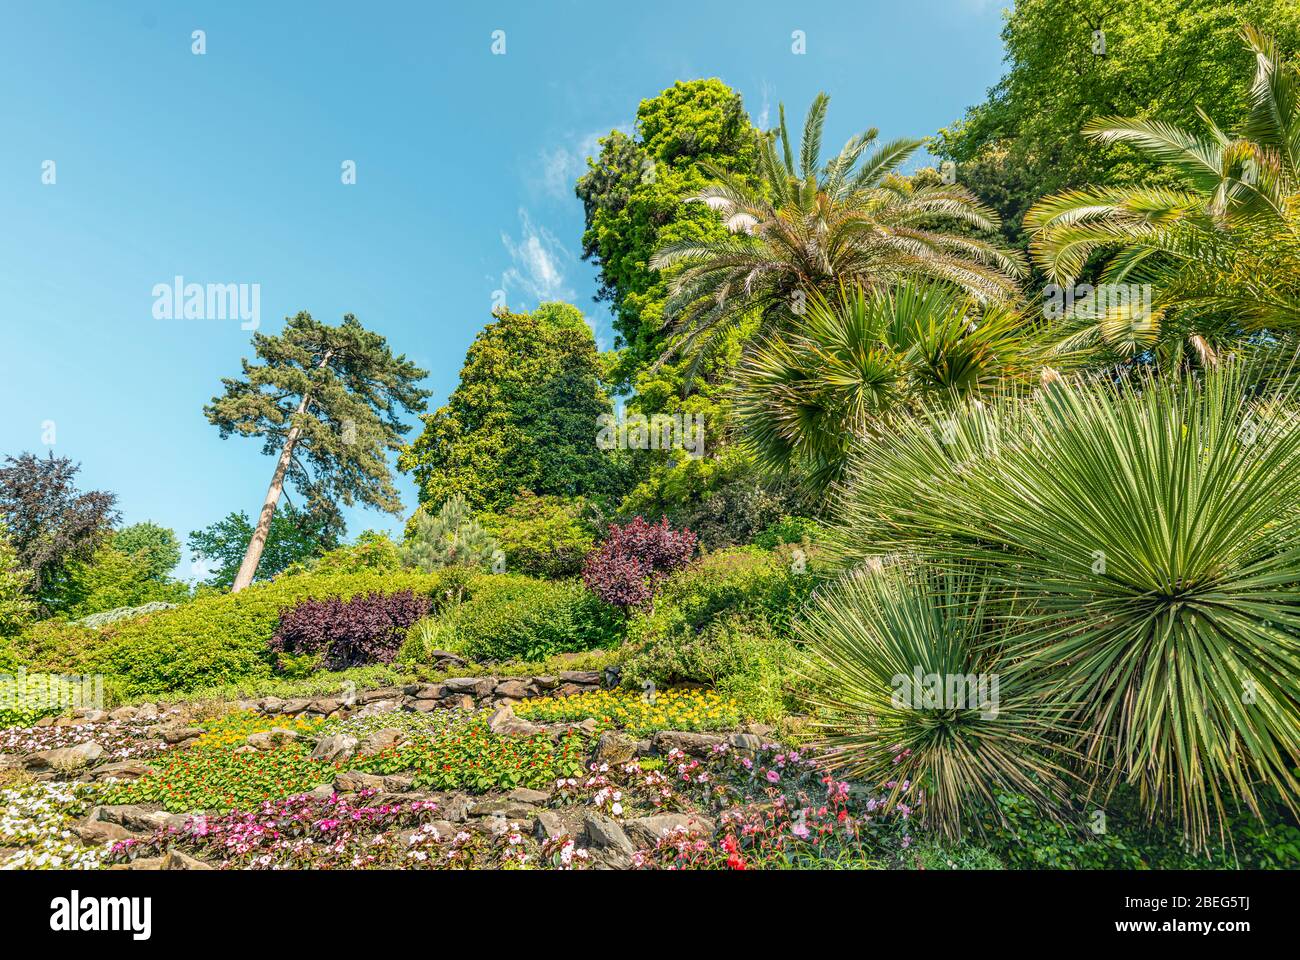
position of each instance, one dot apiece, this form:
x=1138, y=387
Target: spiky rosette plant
x=909, y=667
x=1153, y=530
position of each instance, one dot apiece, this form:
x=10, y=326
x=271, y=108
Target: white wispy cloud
x=539, y=262
x=559, y=166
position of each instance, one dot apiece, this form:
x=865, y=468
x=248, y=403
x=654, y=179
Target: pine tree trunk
x=253, y=555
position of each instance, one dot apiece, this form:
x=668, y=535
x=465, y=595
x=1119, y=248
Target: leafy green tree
x=811, y=228
x=1163, y=58
x=633, y=195
x=1221, y=249
x=523, y=417
x=328, y=402
x=295, y=536
x=372, y=550
x=112, y=579
x=16, y=605
x=159, y=547
x=449, y=538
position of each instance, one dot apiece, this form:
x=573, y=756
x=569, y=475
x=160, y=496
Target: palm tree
x=850, y=366
x=1222, y=252
x=807, y=228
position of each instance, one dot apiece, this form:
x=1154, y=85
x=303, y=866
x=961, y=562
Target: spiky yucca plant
x=1153, y=531
x=910, y=671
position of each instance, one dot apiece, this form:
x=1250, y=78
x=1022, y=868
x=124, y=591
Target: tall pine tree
x=327, y=402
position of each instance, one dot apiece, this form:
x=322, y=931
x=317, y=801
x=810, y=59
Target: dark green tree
x=328, y=402
x=525, y=416
x=51, y=523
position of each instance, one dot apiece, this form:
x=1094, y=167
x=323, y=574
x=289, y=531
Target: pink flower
x=773, y=776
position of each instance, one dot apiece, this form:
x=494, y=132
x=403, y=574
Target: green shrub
x=373, y=551
x=739, y=656
x=26, y=697
x=741, y=580
x=54, y=645
x=542, y=536
x=1117, y=835
x=790, y=530
x=723, y=621
x=221, y=639
x=509, y=616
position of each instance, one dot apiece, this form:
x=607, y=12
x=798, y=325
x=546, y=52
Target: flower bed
x=219, y=779
x=464, y=754
x=638, y=714
x=38, y=819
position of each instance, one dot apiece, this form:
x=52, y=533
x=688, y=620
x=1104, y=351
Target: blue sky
x=226, y=168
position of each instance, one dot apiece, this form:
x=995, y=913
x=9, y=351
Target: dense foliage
x=522, y=418
x=294, y=536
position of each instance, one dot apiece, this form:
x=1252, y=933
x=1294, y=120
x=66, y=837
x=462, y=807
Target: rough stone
x=605, y=835
x=122, y=770
x=399, y=783
x=614, y=748
x=525, y=795
x=124, y=713
x=176, y=735
x=590, y=678
x=461, y=701
x=295, y=706
x=516, y=689
x=429, y=691
x=376, y=708
x=325, y=705
x=546, y=682
x=175, y=860
x=549, y=825
x=335, y=748
x=477, y=686
x=503, y=722
x=272, y=704
x=66, y=758
x=456, y=808
x=354, y=780
x=384, y=693
x=379, y=741
x=644, y=831
x=270, y=739
x=692, y=744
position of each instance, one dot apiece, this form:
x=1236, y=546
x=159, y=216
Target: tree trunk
x=253, y=555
